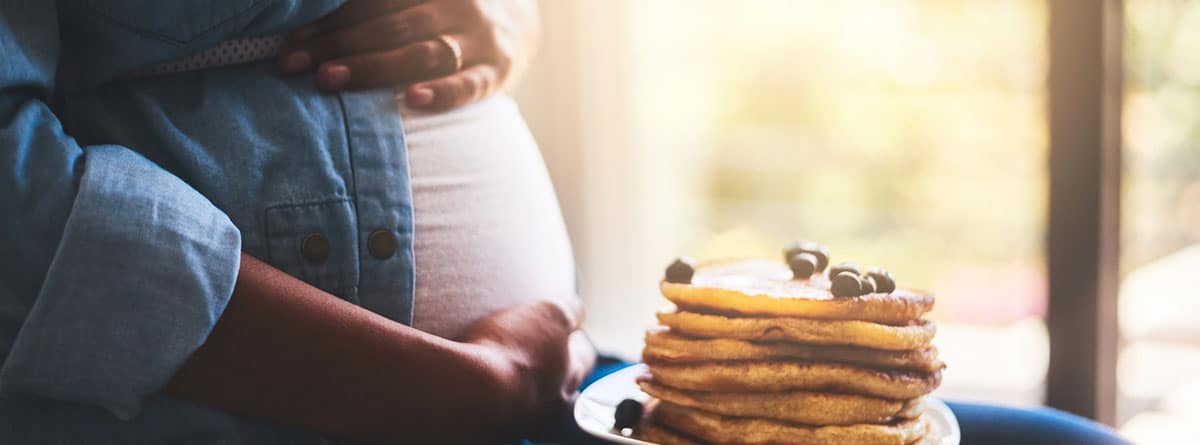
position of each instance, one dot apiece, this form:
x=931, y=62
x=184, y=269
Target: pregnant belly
x=489, y=232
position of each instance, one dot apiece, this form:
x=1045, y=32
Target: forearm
x=287, y=351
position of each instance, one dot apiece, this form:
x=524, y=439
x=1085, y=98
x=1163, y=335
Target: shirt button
x=314, y=247
x=382, y=244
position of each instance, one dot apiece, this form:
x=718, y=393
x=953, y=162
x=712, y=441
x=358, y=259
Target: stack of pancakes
x=753, y=356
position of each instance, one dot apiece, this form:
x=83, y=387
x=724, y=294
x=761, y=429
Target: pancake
x=795, y=376
x=734, y=430
x=662, y=345
x=810, y=408
x=654, y=433
x=661, y=435
x=818, y=332
x=760, y=287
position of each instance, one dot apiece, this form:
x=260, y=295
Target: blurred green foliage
x=1161, y=161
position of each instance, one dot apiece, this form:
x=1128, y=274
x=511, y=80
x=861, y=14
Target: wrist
x=509, y=378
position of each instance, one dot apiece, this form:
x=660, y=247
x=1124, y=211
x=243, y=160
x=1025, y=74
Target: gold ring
x=454, y=48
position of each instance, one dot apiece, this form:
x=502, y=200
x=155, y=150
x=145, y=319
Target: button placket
x=383, y=200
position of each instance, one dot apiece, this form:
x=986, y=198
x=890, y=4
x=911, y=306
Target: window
x=1158, y=372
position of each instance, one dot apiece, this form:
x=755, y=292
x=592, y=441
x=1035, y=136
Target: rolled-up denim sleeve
x=130, y=266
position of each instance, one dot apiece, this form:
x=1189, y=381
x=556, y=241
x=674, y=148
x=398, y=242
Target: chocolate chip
x=844, y=266
x=846, y=284
x=803, y=265
x=884, y=283
x=628, y=414
x=681, y=271
x=868, y=284
x=817, y=250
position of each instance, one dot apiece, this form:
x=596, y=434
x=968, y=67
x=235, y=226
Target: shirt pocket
x=178, y=21
x=317, y=243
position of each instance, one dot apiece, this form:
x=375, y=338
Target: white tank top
x=489, y=233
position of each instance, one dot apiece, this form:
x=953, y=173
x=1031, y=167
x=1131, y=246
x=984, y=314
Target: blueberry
x=803, y=265
x=844, y=266
x=629, y=413
x=868, y=284
x=884, y=283
x=681, y=271
x=846, y=284
x=816, y=250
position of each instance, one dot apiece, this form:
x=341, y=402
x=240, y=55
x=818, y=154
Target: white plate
x=595, y=407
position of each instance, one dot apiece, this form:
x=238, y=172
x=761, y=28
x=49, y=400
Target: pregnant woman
x=218, y=234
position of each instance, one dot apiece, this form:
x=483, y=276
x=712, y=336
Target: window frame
x=1083, y=230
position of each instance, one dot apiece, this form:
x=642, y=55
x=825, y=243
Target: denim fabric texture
x=125, y=202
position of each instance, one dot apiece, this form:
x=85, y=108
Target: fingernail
x=296, y=61
x=335, y=76
x=420, y=97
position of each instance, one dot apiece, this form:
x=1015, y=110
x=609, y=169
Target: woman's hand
x=547, y=355
x=281, y=342
x=378, y=43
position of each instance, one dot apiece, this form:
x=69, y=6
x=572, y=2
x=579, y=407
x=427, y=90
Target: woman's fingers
x=414, y=62
x=384, y=43
x=579, y=365
x=381, y=33
x=463, y=87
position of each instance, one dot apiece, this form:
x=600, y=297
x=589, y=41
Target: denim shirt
x=125, y=202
